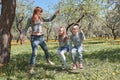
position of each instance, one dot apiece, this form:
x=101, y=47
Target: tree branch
x=76, y=21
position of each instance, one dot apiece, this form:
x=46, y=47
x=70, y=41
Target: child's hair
x=64, y=33
x=73, y=26
x=64, y=30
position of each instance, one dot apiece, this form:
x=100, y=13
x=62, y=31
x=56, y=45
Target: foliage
x=101, y=62
x=24, y=9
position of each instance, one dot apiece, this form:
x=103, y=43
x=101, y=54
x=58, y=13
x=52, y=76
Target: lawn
x=101, y=62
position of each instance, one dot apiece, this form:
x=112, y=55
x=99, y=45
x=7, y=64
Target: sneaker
x=50, y=62
x=74, y=66
x=81, y=66
x=64, y=67
x=31, y=71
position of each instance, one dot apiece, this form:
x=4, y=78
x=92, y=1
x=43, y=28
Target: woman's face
x=40, y=12
x=75, y=29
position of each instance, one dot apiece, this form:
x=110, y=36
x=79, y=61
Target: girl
x=63, y=45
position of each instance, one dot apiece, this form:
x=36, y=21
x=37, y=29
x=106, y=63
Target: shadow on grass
x=112, y=55
x=19, y=67
x=94, y=42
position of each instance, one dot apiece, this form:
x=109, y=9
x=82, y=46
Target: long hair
x=64, y=35
x=35, y=12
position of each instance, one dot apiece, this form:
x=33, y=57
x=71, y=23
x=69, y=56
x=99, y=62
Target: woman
x=37, y=35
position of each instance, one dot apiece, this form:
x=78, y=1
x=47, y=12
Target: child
x=76, y=51
x=63, y=45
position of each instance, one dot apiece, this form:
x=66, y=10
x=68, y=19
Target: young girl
x=63, y=45
x=76, y=51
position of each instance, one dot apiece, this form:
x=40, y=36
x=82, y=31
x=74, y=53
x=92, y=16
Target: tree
x=6, y=21
x=84, y=12
x=113, y=18
x=24, y=10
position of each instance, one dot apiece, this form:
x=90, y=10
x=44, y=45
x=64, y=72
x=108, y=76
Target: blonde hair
x=64, y=36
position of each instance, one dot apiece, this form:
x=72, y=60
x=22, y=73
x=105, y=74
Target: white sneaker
x=50, y=62
x=32, y=71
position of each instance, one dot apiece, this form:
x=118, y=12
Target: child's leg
x=80, y=57
x=62, y=55
x=63, y=58
x=73, y=55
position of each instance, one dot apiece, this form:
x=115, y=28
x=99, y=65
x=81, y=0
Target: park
x=99, y=20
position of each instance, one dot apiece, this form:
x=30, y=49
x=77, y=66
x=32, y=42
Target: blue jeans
x=61, y=52
x=76, y=53
x=35, y=41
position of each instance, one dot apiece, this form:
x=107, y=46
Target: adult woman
x=37, y=35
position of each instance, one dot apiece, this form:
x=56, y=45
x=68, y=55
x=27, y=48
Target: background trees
x=97, y=18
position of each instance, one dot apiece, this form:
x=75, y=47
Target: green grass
x=101, y=62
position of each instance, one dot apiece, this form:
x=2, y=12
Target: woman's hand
x=22, y=38
x=57, y=12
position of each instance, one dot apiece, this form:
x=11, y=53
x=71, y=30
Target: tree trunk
x=6, y=21
x=113, y=33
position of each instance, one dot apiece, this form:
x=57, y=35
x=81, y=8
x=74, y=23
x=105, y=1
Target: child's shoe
x=74, y=66
x=81, y=66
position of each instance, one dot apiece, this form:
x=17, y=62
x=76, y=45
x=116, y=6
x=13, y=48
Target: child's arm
x=70, y=44
x=83, y=35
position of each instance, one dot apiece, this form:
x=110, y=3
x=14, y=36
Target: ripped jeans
x=76, y=54
x=61, y=52
x=35, y=41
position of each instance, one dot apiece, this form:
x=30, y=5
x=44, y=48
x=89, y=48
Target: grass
x=101, y=62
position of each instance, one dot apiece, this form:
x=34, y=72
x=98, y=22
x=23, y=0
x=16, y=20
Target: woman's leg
x=34, y=44
x=45, y=49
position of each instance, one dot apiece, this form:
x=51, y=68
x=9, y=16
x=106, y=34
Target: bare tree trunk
x=113, y=33
x=19, y=28
x=48, y=33
x=6, y=21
